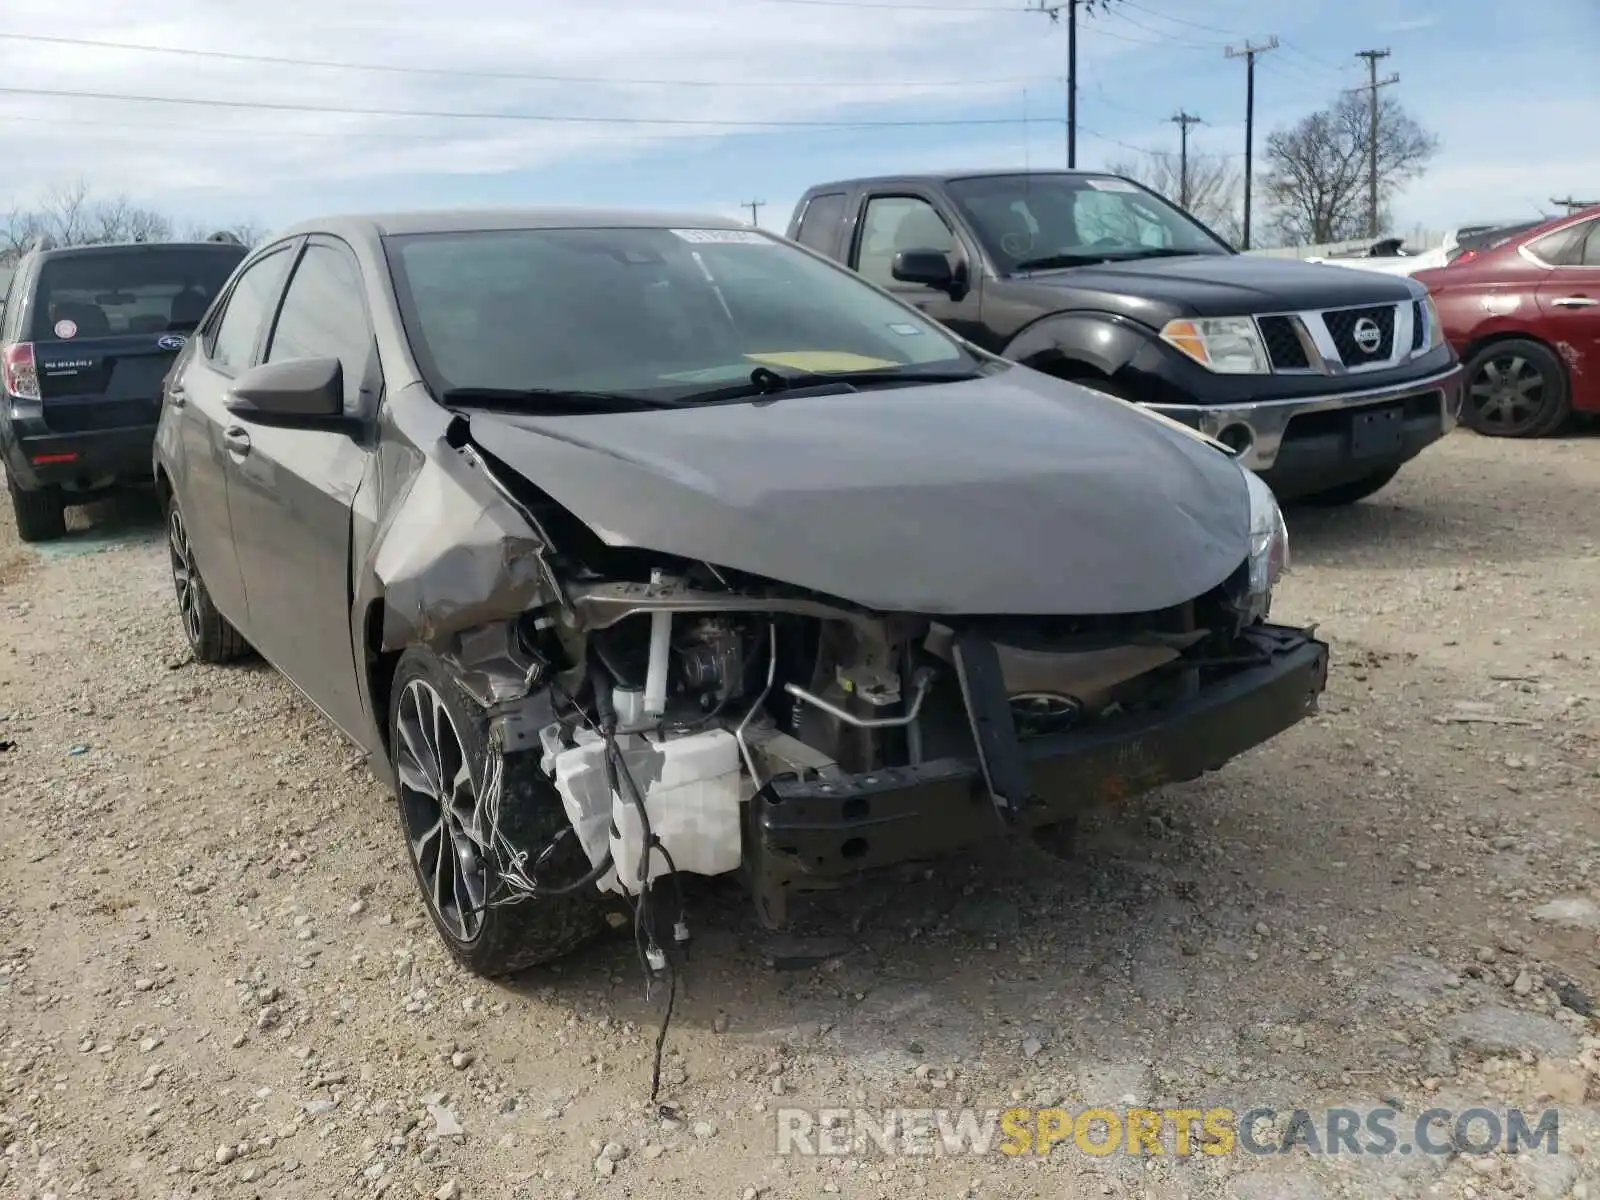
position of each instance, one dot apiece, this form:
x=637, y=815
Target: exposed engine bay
x=677, y=699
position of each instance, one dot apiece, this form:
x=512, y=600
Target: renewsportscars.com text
x=855, y=1132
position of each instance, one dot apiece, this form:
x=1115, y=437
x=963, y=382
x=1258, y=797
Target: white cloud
x=164, y=153
x=235, y=162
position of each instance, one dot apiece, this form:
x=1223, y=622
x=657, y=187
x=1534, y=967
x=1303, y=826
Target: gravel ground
x=215, y=979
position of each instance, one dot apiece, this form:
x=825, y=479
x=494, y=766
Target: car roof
x=136, y=247
x=366, y=225
x=942, y=177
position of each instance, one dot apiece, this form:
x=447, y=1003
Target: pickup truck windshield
x=654, y=314
x=1043, y=221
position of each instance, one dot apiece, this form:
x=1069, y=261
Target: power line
x=542, y=118
x=1183, y=120
x=1166, y=35
x=914, y=7
x=507, y=76
x=1321, y=63
x=1181, y=20
x=1373, y=84
x=1248, y=53
x=755, y=206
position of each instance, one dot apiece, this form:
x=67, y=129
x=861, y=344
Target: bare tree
x=1316, y=181
x=70, y=215
x=1216, y=186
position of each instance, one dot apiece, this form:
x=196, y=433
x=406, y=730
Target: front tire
x=41, y=515
x=1352, y=492
x=439, y=743
x=208, y=632
x=1516, y=389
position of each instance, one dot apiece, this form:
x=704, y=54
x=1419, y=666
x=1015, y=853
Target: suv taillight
x=21, y=376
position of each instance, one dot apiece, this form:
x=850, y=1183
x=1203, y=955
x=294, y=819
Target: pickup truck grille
x=1284, y=347
x=1352, y=330
x=1343, y=340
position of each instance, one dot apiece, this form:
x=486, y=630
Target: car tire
x=41, y=515
x=1517, y=389
x=436, y=730
x=210, y=636
x=1352, y=492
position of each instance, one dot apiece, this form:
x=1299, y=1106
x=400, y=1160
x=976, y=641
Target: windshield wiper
x=553, y=400
x=1058, y=260
x=1050, y=261
x=764, y=381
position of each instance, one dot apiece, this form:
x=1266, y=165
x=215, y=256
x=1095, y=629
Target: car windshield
x=653, y=313
x=1039, y=221
x=105, y=293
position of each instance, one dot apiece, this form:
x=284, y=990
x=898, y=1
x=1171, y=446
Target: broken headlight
x=1269, y=545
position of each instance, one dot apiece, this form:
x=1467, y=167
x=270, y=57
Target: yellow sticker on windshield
x=820, y=360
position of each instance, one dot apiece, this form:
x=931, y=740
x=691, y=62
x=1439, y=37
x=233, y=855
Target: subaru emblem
x=171, y=341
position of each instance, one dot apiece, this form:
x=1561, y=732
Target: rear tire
x=439, y=741
x=41, y=515
x=211, y=638
x=1350, y=493
x=1516, y=389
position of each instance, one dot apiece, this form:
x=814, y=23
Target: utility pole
x=755, y=206
x=1572, y=205
x=1054, y=11
x=1183, y=120
x=1248, y=53
x=1373, y=84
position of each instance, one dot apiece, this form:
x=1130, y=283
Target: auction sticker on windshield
x=1111, y=185
x=724, y=237
x=820, y=360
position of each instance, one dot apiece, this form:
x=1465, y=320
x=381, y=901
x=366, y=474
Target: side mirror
x=300, y=390
x=930, y=267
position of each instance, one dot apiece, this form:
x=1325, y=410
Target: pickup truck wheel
x=1355, y=490
x=439, y=742
x=1516, y=389
x=41, y=515
x=210, y=636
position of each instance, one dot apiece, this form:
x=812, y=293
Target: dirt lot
x=215, y=979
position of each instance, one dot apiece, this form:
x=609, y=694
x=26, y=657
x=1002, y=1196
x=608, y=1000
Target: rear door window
x=1563, y=248
x=115, y=292
x=232, y=345
x=819, y=224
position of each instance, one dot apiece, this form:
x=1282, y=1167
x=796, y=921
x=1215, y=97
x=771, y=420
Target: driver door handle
x=1574, y=302
x=237, y=441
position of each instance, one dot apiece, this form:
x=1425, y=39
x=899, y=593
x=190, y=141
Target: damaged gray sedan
x=629, y=546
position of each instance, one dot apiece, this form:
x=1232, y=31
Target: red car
x=1524, y=315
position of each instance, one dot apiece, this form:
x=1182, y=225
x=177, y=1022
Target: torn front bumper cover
x=820, y=833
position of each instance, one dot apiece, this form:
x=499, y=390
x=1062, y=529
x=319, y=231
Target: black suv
x=87, y=336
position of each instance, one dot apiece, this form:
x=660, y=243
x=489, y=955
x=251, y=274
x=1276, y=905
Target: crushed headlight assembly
x=1226, y=345
x=1269, y=545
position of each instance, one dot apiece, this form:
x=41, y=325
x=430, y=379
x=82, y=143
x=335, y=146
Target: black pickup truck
x=1324, y=380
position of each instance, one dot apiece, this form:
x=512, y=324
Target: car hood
x=1216, y=285
x=1015, y=493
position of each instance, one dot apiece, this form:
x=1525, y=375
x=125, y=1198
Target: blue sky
x=1514, y=100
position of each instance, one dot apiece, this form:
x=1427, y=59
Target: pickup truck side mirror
x=930, y=267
